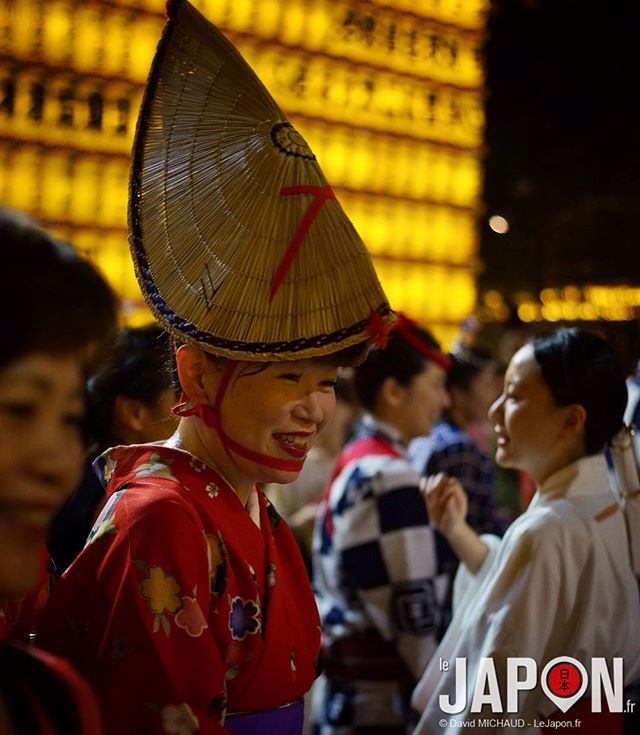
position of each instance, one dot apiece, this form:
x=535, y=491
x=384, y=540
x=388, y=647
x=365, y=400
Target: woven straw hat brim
x=210, y=224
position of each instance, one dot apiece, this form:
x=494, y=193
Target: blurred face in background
x=334, y=435
x=138, y=422
x=161, y=422
x=420, y=404
x=475, y=401
x=41, y=455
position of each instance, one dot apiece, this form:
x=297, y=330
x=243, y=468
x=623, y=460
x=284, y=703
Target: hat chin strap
x=211, y=417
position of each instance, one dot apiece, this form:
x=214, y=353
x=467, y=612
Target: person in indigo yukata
x=190, y=609
x=378, y=576
x=56, y=309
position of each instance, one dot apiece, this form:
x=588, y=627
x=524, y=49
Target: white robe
x=559, y=584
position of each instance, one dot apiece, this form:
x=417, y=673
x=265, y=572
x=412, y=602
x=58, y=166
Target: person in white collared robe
x=561, y=582
x=558, y=584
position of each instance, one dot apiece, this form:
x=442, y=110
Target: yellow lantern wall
x=389, y=94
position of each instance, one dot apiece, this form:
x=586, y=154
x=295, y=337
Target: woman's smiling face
x=41, y=455
x=276, y=411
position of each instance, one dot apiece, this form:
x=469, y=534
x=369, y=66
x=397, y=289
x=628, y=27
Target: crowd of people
x=170, y=564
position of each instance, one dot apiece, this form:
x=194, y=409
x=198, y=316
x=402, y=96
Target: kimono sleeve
x=519, y=613
x=143, y=618
x=466, y=583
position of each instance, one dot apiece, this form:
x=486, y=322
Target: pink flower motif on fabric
x=197, y=464
x=212, y=490
x=191, y=618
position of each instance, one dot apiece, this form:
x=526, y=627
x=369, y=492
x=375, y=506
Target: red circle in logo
x=564, y=679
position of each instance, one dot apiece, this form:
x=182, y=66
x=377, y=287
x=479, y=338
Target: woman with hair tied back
x=560, y=583
x=377, y=565
x=190, y=609
x=57, y=312
x=130, y=397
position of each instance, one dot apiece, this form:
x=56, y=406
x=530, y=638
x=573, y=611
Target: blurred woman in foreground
x=56, y=310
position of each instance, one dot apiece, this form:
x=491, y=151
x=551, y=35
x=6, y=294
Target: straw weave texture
x=210, y=226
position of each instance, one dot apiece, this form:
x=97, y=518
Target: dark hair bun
x=580, y=367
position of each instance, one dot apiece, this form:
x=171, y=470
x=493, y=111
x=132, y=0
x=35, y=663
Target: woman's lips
x=293, y=444
x=502, y=441
x=37, y=514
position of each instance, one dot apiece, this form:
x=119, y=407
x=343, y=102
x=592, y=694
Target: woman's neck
x=193, y=437
x=556, y=464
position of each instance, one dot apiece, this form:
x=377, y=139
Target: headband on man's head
x=407, y=329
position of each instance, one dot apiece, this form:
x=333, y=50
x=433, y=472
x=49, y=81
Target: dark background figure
x=129, y=401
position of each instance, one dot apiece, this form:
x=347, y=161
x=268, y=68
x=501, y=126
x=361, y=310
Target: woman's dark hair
x=138, y=366
x=466, y=363
x=24, y=680
x=580, y=367
x=399, y=360
x=51, y=299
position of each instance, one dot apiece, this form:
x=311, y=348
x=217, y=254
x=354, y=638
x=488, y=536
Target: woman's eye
x=331, y=384
x=18, y=410
x=294, y=377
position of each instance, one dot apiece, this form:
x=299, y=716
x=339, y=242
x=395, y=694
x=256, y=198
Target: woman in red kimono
x=190, y=600
x=189, y=608
x=54, y=304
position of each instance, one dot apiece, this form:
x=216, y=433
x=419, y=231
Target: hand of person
x=447, y=506
x=446, y=502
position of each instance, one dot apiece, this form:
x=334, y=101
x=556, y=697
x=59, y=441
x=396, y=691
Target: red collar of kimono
x=211, y=417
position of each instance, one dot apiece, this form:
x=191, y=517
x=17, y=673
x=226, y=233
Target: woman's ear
x=575, y=419
x=128, y=416
x=193, y=372
x=391, y=393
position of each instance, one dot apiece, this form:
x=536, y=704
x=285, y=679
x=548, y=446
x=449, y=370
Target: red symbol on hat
x=564, y=679
x=321, y=194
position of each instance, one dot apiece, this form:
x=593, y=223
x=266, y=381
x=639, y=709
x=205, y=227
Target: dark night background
x=562, y=137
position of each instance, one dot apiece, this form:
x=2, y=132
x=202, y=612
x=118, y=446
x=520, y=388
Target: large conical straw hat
x=239, y=244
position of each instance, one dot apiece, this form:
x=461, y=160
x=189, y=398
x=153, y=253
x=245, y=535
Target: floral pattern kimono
x=184, y=606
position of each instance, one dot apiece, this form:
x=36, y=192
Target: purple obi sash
x=287, y=720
